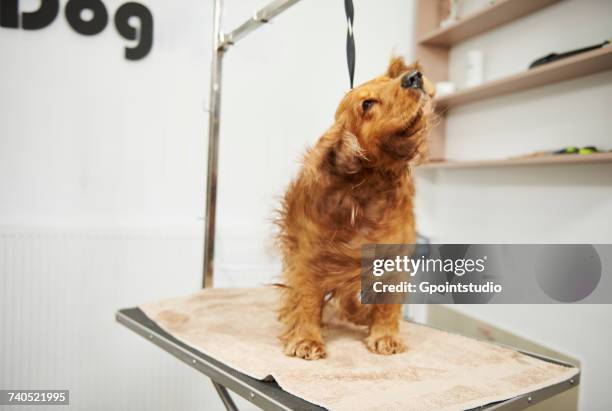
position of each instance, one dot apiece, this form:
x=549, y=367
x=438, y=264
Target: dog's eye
x=367, y=104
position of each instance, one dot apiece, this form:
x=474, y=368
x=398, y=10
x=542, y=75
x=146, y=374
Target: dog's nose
x=412, y=80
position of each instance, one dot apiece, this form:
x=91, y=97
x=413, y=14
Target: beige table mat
x=439, y=370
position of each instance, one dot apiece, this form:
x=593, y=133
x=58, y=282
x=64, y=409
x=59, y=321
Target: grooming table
x=268, y=394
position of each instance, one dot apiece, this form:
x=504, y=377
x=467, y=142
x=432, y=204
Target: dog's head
x=384, y=121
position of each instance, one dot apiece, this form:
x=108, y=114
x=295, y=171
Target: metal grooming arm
x=221, y=43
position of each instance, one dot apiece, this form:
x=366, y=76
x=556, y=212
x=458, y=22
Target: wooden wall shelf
x=502, y=12
x=560, y=159
x=433, y=47
x=572, y=67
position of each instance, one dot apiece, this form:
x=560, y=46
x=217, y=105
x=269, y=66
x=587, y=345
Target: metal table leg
x=225, y=397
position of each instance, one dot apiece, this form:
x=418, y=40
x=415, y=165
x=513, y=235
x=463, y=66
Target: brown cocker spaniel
x=355, y=187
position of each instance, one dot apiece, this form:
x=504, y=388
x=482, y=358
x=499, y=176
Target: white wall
x=540, y=204
x=102, y=179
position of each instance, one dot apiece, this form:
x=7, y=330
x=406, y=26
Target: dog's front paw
x=306, y=349
x=385, y=345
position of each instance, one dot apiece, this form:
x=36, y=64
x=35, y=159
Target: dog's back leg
x=351, y=308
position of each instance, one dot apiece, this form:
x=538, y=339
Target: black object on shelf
x=558, y=56
x=575, y=150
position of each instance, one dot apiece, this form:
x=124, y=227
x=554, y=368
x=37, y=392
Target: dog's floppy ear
x=346, y=155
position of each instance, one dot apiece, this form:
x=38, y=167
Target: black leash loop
x=350, y=40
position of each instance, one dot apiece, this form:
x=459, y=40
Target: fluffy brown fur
x=354, y=188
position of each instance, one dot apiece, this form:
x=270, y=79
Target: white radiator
x=59, y=289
